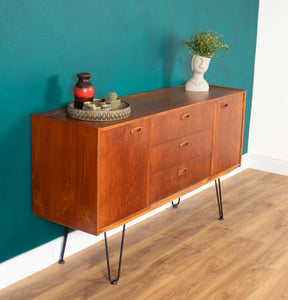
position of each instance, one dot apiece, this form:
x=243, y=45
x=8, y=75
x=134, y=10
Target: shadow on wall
x=53, y=93
x=174, y=55
x=20, y=230
x=168, y=51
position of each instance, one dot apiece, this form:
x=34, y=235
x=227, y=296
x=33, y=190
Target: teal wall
x=128, y=45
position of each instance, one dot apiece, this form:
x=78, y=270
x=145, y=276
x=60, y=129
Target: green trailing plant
x=206, y=43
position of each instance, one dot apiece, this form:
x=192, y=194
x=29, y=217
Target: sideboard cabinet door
x=228, y=133
x=123, y=171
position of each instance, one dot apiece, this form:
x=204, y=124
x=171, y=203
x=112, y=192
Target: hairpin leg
x=175, y=205
x=219, y=199
x=115, y=281
x=61, y=260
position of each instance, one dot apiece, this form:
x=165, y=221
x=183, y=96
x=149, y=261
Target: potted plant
x=203, y=46
x=113, y=100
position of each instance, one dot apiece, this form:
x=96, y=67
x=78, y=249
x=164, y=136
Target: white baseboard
x=267, y=164
x=37, y=259
x=45, y=255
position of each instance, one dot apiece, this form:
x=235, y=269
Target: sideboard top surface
x=153, y=102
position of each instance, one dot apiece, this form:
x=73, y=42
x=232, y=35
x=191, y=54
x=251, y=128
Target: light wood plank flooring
x=186, y=253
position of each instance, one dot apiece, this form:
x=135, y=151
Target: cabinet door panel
x=181, y=122
x=175, y=179
x=170, y=154
x=228, y=133
x=123, y=171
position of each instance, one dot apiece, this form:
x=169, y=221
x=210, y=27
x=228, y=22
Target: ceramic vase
x=83, y=90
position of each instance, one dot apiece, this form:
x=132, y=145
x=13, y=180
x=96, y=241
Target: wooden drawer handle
x=182, y=171
x=185, y=116
x=183, y=144
x=223, y=105
x=136, y=130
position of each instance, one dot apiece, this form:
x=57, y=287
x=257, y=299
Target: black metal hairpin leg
x=175, y=205
x=61, y=260
x=219, y=199
x=115, y=281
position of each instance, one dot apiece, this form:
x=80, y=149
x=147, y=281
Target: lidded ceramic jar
x=83, y=90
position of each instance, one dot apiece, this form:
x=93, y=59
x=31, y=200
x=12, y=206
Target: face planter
x=199, y=65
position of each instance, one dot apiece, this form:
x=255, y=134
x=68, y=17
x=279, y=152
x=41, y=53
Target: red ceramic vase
x=83, y=90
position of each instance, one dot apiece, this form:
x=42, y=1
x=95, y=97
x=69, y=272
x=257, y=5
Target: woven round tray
x=99, y=115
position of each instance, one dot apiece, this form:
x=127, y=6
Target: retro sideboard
x=95, y=176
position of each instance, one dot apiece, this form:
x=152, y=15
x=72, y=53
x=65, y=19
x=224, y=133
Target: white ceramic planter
x=199, y=65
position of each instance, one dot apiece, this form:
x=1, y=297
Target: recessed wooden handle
x=136, y=130
x=182, y=171
x=185, y=116
x=223, y=105
x=183, y=144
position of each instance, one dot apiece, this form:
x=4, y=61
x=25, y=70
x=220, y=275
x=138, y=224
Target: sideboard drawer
x=175, y=179
x=181, y=122
x=181, y=150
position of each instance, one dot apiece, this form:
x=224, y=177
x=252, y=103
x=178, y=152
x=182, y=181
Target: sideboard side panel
x=64, y=172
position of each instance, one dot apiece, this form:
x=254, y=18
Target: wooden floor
x=187, y=253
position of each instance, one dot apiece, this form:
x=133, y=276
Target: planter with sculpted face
x=199, y=65
x=203, y=46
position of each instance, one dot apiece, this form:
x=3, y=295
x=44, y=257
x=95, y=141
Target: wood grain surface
x=186, y=253
x=93, y=176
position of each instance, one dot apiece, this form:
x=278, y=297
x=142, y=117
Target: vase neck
x=84, y=76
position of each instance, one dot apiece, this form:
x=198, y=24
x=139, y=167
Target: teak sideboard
x=95, y=176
